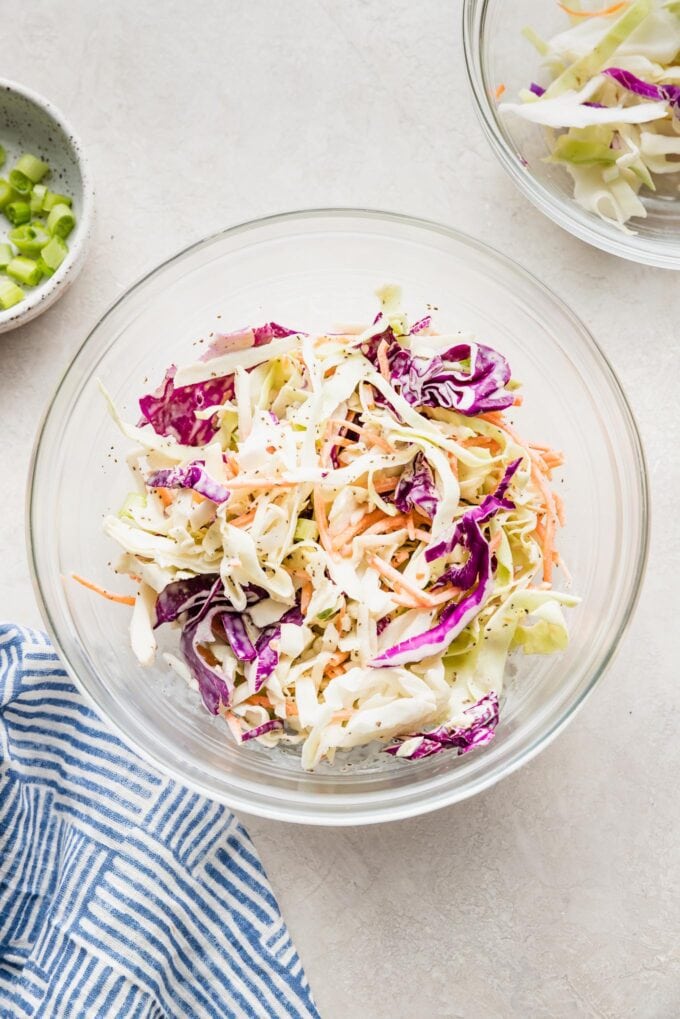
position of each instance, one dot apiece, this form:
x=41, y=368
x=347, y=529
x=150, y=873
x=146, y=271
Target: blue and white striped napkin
x=122, y=893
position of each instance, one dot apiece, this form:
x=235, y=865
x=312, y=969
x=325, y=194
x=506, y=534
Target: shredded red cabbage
x=238, y=637
x=478, y=734
x=629, y=81
x=477, y=568
x=260, y=730
x=416, y=487
x=267, y=656
x=194, y=476
x=172, y=411
x=468, y=378
x=242, y=339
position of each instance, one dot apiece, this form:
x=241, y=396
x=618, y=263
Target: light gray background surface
x=556, y=893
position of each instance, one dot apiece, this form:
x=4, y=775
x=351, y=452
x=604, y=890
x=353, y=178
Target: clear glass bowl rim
x=294, y=809
x=562, y=211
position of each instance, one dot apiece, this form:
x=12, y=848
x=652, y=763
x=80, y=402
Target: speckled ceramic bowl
x=30, y=123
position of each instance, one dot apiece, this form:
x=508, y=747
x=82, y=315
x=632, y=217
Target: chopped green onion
x=31, y=167
x=306, y=530
x=52, y=198
x=3, y=155
x=20, y=182
x=10, y=294
x=52, y=255
x=61, y=221
x=18, y=212
x=25, y=270
x=7, y=193
x=6, y=255
x=37, y=198
x=30, y=239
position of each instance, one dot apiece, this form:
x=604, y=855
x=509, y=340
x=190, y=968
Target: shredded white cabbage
x=313, y=451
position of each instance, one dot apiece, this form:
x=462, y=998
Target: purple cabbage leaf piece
x=461, y=738
x=172, y=411
x=477, y=568
x=644, y=89
x=268, y=656
x=194, y=476
x=242, y=339
x=416, y=487
x=238, y=637
x=468, y=378
x=260, y=730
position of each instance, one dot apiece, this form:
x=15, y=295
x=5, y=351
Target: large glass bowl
x=310, y=269
x=496, y=53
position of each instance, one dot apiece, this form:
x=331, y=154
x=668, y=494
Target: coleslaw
x=346, y=532
x=610, y=105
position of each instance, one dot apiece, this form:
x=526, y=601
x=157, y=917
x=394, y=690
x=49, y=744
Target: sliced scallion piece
x=7, y=193
x=10, y=294
x=60, y=221
x=6, y=255
x=3, y=155
x=52, y=255
x=52, y=198
x=18, y=212
x=37, y=198
x=31, y=167
x=30, y=238
x=25, y=270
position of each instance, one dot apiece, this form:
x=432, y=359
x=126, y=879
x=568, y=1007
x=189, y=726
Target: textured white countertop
x=554, y=894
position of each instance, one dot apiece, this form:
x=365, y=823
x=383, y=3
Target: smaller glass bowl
x=495, y=53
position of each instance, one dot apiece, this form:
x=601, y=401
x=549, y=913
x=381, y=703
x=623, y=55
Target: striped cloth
x=122, y=893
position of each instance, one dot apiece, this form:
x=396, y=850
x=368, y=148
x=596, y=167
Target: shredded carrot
x=453, y=463
x=591, y=14
x=386, y=484
x=133, y=576
x=260, y=483
x=444, y=594
x=338, y=658
x=495, y=542
x=232, y=462
x=197, y=497
x=547, y=538
x=291, y=709
x=395, y=577
x=388, y=524
x=341, y=618
x=550, y=520
x=518, y=400
x=410, y=526
x=383, y=362
x=481, y=441
x=261, y=700
x=369, y=436
x=243, y=520
x=166, y=496
x=305, y=597
x=234, y=727
x=368, y=519
x=403, y=599
x=122, y=599
x=559, y=506
x=494, y=416
x=499, y=91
